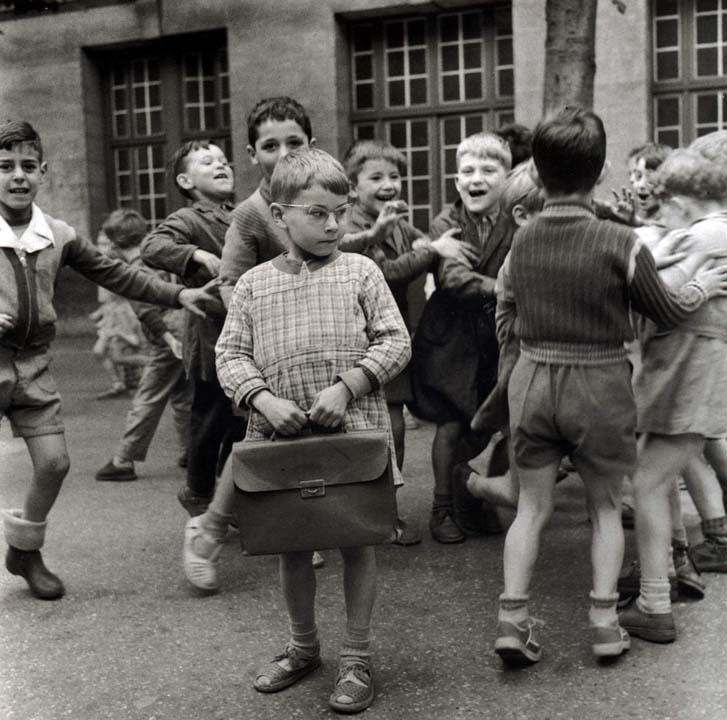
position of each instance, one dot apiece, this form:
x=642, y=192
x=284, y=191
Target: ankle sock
x=304, y=638
x=356, y=643
x=513, y=609
x=602, y=612
x=215, y=524
x=442, y=502
x=716, y=529
x=654, y=596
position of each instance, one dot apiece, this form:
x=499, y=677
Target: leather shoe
x=29, y=565
x=443, y=527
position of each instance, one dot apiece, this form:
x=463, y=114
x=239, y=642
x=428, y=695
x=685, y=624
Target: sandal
x=274, y=676
x=353, y=690
x=200, y=571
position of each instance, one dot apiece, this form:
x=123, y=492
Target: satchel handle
x=311, y=429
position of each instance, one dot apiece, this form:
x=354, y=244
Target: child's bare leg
x=661, y=459
x=522, y=544
x=704, y=489
x=715, y=451
x=603, y=497
x=398, y=430
x=49, y=455
x=25, y=529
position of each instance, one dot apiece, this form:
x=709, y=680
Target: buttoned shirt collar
x=36, y=236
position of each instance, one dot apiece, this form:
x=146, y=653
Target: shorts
x=28, y=393
x=585, y=411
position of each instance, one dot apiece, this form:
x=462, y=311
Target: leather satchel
x=314, y=492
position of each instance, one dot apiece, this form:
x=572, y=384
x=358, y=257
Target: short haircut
x=304, y=168
x=363, y=150
x=178, y=162
x=19, y=132
x=277, y=108
x=124, y=228
x=520, y=188
x=689, y=173
x=520, y=140
x=713, y=146
x=653, y=154
x=569, y=150
x=486, y=145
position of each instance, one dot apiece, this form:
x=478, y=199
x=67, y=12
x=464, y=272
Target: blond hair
x=691, y=174
x=486, y=145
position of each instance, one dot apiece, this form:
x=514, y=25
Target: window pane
x=472, y=125
x=668, y=137
x=364, y=69
x=505, y=83
x=153, y=70
x=419, y=163
x=706, y=29
x=473, y=56
x=449, y=28
x=473, y=85
x=706, y=61
x=395, y=35
x=450, y=58
x=191, y=91
x=364, y=132
x=419, y=134
x=706, y=109
x=395, y=64
x=120, y=127
x=471, y=27
x=397, y=134
x=417, y=32
x=209, y=117
x=420, y=219
x=450, y=88
x=503, y=21
x=667, y=7
x=362, y=38
x=706, y=5
x=504, y=52
x=420, y=192
x=667, y=33
x=364, y=96
x=450, y=161
x=706, y=130
x=396, y=93
x=667, y=112
x=451, y=131
x=418, y=91
x=667, y=65
x=156, y=121
x=417, y=62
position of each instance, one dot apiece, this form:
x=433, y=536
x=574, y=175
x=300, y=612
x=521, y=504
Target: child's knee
x=53, y=467
x=358, y=555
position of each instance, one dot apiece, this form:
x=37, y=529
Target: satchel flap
x=351, y=457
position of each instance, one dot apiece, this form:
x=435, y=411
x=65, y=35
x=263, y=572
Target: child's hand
x=207, y=260
x=712, y=276
x=625, y=207
x=330, y=405
x=286, y=417
x=6, y=323
x=388, y=217
x=447, y=245
x=194, y=299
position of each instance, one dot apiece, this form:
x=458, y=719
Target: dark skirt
x=454, y=359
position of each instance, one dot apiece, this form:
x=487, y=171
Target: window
x=424, y=83
x=689, y=69
x=159, y=97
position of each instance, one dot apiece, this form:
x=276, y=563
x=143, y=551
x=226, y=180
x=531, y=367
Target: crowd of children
x=298, y=313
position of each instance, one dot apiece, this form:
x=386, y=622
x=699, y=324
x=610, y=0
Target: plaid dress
x=295, y=331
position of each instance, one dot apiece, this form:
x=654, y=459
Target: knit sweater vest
x=569, y=276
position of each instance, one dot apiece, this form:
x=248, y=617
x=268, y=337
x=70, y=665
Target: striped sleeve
x=652, y=298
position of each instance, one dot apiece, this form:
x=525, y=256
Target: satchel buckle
x=312, y=489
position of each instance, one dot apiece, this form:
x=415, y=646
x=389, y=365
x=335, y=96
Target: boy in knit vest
x=570, y=280
x=33, y=249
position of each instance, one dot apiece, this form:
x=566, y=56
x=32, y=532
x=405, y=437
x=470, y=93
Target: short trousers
x=28, y=394
x=585, y=411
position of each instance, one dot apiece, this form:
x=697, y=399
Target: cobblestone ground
x=131, y=641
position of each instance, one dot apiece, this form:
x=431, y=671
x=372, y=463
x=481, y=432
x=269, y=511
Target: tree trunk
x=570, y=54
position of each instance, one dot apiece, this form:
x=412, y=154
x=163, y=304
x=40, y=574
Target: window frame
x=491, y=105
x=688, y=86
